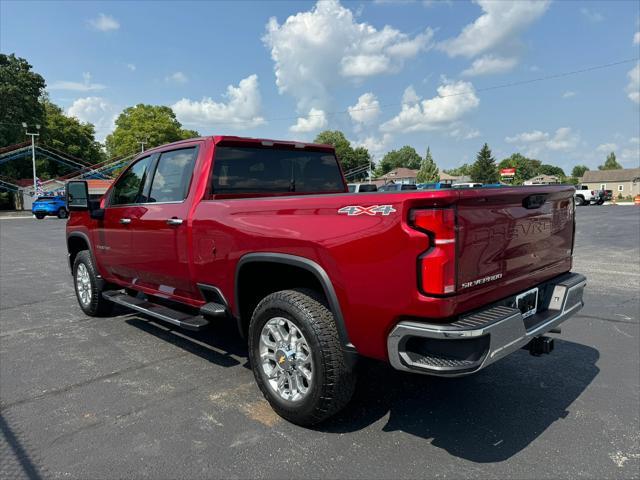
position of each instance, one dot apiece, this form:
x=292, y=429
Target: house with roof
x=624, y=182
x=542, y=180
x=400, y=175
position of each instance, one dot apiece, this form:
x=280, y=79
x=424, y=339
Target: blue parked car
x=50, y=205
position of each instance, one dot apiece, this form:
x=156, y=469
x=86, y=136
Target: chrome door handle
x=125, y=221
x=174, y=221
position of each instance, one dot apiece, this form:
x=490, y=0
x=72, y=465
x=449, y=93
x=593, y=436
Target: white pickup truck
x=584, y=196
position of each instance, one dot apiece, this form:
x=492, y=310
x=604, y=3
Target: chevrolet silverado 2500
x=265, y=234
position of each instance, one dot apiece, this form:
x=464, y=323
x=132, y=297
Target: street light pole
x=33, y=155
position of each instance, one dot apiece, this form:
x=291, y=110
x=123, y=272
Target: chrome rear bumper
x=478, y=339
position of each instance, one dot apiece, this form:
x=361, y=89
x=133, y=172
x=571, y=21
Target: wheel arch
x=304, y=269
x=76, y=242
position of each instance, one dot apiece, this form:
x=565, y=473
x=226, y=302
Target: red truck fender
x=306, y=264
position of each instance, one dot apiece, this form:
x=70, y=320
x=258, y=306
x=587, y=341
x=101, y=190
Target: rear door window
x=128, y=188
x=172, y=177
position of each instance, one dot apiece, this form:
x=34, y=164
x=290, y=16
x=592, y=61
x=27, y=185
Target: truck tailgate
x=505, y=234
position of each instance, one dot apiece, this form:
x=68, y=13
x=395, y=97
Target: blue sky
x=386, y=73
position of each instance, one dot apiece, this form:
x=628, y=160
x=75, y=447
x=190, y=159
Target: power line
x=456, y=94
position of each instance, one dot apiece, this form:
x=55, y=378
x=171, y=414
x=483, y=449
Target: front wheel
x=297, y=359
x=62, y=213
x=89, y=286
x=40, y=216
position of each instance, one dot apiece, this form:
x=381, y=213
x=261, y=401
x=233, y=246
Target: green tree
x=526, y=168
x=546, y=169
x=428, y=169
x=153, y=124
x=70, y=135
x=484, y=169
x=406, y=157
x=20, y=92
x=610, y=163
x=578, y=170
x=462, y=170
x=348, y=156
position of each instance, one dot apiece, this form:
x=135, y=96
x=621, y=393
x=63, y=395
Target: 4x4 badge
x=355, y=210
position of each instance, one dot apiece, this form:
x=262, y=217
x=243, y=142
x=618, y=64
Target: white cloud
x=607, y=147
x=410, y=96
x=568, y=94
x=95, y=110
x=528, y=137
x=464, y=133
x=454, y=100
x=366, y=110
x=630, y=157
x=490, y=64
x=536, y=142
x=84, y=86
x=317, y=50
x=177, y=77
x=636, y=38
x=316, y=120
x=131, y=67
x=633, y=87
x=592, y=15
x=104, y=23
x=634, y=140
x=376, y=145
x=499, y=24
x=241, y=110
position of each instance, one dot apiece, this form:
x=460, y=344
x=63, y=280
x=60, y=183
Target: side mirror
x=77, y=193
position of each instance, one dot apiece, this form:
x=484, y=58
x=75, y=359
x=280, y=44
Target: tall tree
x=526, y=168
x=153, y=124
x=484, y=169
x=462, y=170
x=428, y=169
x=406, y=157
x=70, y=135
x=348, y=156
x=20, y=92
x=610, y=163
x=546, y=169
x=578, y=170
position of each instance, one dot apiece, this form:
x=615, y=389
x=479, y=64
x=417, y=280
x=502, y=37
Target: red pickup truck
x=264, y=233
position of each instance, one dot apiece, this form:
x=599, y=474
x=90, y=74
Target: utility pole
x=33, y=155
x=143, y=143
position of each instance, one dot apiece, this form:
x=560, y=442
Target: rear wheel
x=579, y=200
x=62, y=213
x=89, y=286
x=297, y=358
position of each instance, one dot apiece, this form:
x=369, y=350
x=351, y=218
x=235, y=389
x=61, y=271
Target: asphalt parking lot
x=122, y=397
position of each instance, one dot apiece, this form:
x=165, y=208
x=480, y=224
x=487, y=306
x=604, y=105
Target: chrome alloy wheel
x=286, y=360
x=83, y=284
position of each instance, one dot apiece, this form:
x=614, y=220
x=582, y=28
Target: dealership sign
x=507, y=172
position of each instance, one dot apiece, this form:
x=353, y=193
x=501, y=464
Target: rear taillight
x=436, y=266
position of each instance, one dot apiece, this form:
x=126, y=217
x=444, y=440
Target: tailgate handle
x=534, y=201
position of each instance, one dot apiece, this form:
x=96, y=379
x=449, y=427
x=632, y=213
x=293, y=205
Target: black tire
x=579, y=200
x=333, y=380
x=600, y=202
x=62, y=213
x=96, y=306
x=40, y=216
